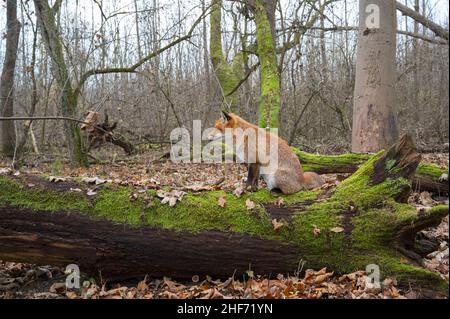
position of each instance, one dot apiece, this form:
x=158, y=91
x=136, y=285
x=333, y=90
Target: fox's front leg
x=253, y=176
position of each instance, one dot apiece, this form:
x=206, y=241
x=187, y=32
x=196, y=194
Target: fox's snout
x=215, y=135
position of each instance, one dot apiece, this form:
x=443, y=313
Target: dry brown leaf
x=221, y=201
x=321, y=278
x=90, y=120
x=56, y=179
x=249, y=204
x=238, y=192
x=276, y=224
x=90, y=192
x=279, y=202
x=94, y=180
x=71, y=295
x=316, y=231
x=171, y=197
x=337, y=229
x=425, y=199
x=142, y=285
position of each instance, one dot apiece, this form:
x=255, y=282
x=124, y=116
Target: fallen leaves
x=5, y=171
x=337, y=229
x=316, y=231
x=221, y=201
x=425, y=199
x=171, y=198
x=313, y=285
x=90, y=192
x=95, y=180
x=279, y=202
x=238, y=192
x=276, y=224
x=56, y=179
x=438, y=261
x=249, y=204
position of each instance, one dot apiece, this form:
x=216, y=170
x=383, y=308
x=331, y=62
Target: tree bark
x=270, y=96
x=120, y=238
x=7, y=129
x=228, y=75
x=374, y=114
x=428, y=177
x=67, y=99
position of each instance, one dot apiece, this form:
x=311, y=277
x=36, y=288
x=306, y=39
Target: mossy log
x=362, y=221
x=428, y=177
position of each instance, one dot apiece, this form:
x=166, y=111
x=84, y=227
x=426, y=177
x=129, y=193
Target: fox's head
x=228, y=121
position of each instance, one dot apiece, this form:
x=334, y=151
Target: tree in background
x=67, y=97
x=7, y=130
x=228, y=75
x=374, y=111
x=270, y=96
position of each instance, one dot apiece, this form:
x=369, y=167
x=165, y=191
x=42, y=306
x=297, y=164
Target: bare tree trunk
x=7, y=129
x=67, y=99
x=323, y=53
x=374, y=118
x=416, y=88
x=34, y=101
x=138, y=34
x=228, y=74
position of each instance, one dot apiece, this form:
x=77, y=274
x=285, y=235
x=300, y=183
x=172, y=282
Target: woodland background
x=180, y=85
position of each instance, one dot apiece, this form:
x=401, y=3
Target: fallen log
x=362, y=221
x=428, y=177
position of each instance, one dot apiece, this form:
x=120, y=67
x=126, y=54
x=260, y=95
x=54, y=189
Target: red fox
x=288, y=176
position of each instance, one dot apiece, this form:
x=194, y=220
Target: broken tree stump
x=362, y=221
x=100, y=134
x=428, y=177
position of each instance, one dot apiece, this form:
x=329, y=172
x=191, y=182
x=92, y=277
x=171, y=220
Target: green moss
x=269, y=106
x=114, y=203
x=194, y=213
x=331, y=163
x=431, y=170
x=12, y=193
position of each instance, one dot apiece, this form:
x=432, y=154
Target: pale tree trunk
x=374, y=114
x=67, y=98
x=7, y=130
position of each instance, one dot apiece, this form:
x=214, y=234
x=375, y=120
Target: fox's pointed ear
x=226, y=116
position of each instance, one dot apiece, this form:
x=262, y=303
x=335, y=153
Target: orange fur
x=289, y=176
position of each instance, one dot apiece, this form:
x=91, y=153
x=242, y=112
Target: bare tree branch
x=57, y=6
x=436, y=28
x=45, y=118
x=134, y=67
x=425, y=38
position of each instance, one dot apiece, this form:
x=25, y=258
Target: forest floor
x=19, y=280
